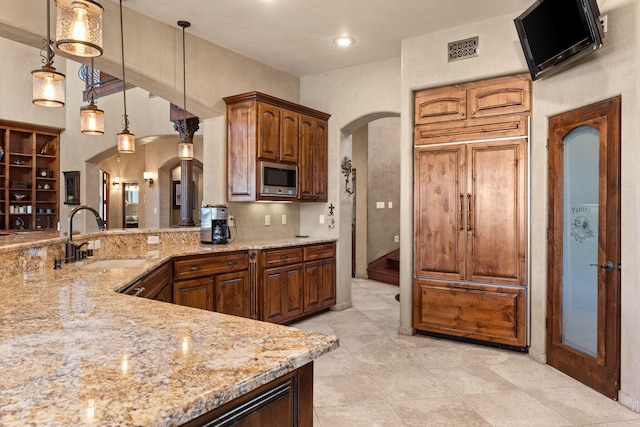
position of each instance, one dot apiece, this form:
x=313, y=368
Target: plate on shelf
x=19, y=223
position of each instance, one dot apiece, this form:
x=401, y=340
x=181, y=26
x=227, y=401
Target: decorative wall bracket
x=346, y=171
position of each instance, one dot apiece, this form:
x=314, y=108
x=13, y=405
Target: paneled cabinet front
x=219, y=282
x=263, y=127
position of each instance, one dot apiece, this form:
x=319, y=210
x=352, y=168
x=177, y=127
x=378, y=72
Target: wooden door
x=495, y=208
x=293, y=291
x=289, y=138
x=319, y=162
x=273, y=309
x=327, y=285
x=440, y=221
x=268, y=131
x=305, y=173
x=583, y=308
x=232, y=294
x=195, y=293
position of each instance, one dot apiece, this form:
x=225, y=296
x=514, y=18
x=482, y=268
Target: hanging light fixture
x=91, y=117
x=48, y=84
x=79, y=27
x=185, y=147
x=126, y=140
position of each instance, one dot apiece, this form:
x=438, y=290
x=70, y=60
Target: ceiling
x=296, y=36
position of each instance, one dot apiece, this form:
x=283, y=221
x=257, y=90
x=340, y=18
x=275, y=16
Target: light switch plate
x=284, y=220
x=321, y=219
x=379, y=205
x=390, y=205
x=267, y=220
x=396, y=239
x=153, y=240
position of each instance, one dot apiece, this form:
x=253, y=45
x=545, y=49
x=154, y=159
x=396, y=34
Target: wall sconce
x=116, y=182
x=148, y=177
x=79, y=27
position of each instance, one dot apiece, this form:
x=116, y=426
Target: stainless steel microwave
x=277, y=179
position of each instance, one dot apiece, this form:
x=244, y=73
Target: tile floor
x=380, y=378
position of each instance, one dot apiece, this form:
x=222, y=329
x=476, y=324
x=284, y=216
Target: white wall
x=354, y=96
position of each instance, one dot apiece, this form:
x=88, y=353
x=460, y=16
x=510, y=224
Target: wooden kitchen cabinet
x=313, y=170
x=29, y=177
x=281, y=287
x=216, y=282
x=494, y=108
x=319, y=277
x=263, y=127
x=156, y=285
x=471, y=210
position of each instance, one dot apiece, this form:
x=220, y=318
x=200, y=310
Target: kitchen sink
x=113, y=263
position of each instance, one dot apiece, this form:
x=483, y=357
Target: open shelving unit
x=29, y=177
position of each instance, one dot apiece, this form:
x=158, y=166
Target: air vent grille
x=463, y=49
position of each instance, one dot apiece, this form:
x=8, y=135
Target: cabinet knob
x=232, y=262
x=194, y=268
x=139, y=291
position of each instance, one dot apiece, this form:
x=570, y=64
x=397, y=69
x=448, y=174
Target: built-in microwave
x=277, y=179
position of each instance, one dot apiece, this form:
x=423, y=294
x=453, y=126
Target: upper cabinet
x=473, y=110
x=29, y=170
x=264, y=128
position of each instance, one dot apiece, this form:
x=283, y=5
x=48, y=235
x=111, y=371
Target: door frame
x=601, y=373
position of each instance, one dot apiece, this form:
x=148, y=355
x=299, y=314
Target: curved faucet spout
x=101, y=224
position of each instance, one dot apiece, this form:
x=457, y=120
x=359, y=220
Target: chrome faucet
x=72, y=252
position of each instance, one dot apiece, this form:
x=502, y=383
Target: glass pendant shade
x=91, y=120
x=126, y=142
x=185, y=150
x=79, y=27
x=48, y=87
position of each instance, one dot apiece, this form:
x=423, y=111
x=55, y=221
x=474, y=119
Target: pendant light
x=79, y=27
x=185, y=147
x=48, y=84
x=91, y=117
x=126, y=140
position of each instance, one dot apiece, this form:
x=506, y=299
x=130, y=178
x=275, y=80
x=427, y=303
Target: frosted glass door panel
x=580, y=240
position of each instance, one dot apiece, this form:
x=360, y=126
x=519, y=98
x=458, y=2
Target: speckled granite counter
x=74, y=352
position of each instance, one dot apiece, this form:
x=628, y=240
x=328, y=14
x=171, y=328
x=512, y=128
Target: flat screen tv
x=556, y=32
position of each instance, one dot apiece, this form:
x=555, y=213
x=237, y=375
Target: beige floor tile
x=344, y=390
x=528, y=374
x=435, y=357
x=466, y=380
x=409, y=385
x=369, y=415
x=337, y=362
x=515, y=408
x=323, y=328
x=438, y=412
x=379, y=304
x=391, y=316
x=357, y=328
x=617, y=424
x=379, y=354
x=583, y=405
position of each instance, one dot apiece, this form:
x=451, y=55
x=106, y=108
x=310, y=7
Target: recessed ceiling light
x=344, y=41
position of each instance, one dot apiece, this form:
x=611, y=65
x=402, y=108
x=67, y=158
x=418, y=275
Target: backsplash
x=250, y=220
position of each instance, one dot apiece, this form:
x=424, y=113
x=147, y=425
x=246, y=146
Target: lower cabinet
x=482, y=312
x=284, y=402
x=275, y=285
x=218, y=282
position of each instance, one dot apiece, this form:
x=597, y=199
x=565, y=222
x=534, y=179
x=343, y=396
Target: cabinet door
x=289, y=137
x=312, y=279
x=197, y=293
x=327, y=284
x=232, y=294
x=268, y=132
x=440, y=220
x=272, y=293
x=495, y=204
x=313, y=163
x=293, y=291
x=241, y=151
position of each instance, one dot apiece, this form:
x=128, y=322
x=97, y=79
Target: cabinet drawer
x=319, y=251
x=210, y=265
x=277, y=257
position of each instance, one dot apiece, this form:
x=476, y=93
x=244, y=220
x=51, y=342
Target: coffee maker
x=214, y=228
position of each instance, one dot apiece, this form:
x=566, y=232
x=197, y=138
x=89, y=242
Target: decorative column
x=186, y=128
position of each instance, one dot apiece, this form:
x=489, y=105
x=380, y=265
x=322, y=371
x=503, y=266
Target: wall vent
x=463, y=49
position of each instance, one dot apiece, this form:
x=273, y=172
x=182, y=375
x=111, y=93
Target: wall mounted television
x=554, y=33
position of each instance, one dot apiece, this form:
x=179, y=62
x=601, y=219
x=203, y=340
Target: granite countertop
x=74, y=351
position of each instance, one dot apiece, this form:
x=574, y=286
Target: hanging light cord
x=92, y=90
x=184, y=75
x=48, y=59
x=124, y=83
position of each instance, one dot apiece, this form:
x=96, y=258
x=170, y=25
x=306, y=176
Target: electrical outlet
x=232, y=221
x=379, y=205
x=321, y=219
x=267, y=220
x=153, y=240
x=96, y=244
x=284, y=220
x=396, y=239
x=390, y=205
